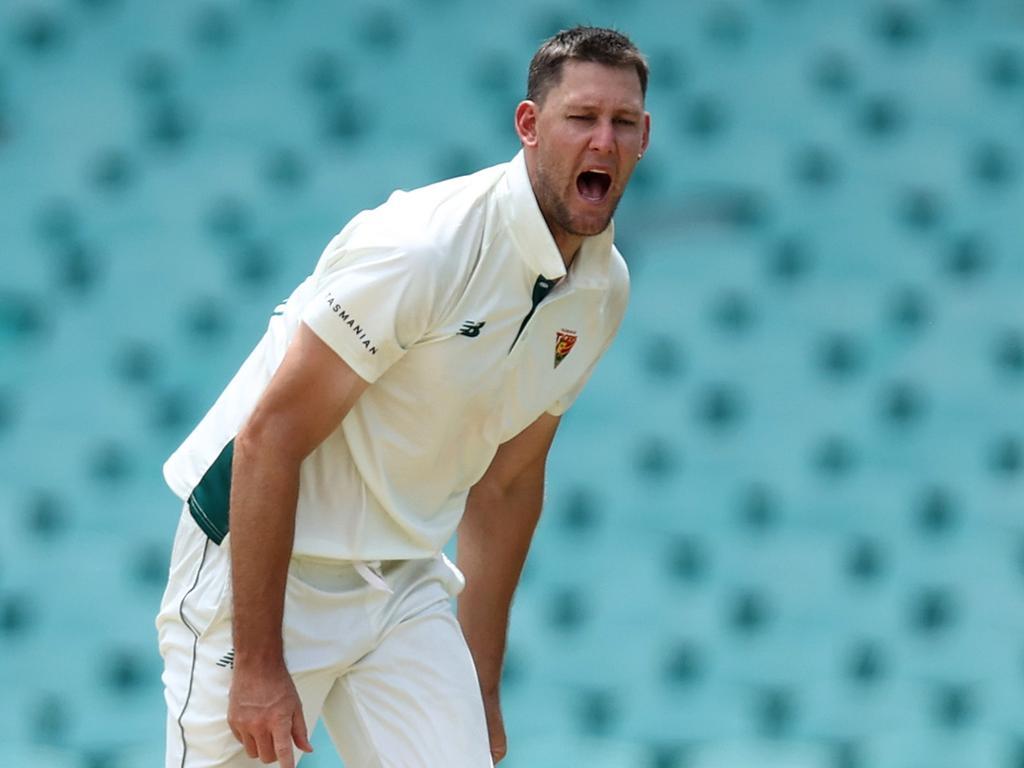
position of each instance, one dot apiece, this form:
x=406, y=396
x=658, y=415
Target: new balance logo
x=227, y=660
x=471, y=329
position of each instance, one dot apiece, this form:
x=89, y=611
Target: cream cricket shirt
x=429, y=297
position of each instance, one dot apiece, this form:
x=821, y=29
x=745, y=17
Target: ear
x=526, y=123
x=647, y=132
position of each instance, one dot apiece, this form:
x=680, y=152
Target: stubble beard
x=556, y=210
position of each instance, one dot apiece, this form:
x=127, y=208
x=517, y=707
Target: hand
x=495, y=726
x=265, y=715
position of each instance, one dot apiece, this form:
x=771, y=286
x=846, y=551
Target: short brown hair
x=603, y=46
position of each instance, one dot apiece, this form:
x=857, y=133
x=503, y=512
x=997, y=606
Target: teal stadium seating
x=783, y=524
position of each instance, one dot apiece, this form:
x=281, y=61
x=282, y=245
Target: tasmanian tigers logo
x=564, y=342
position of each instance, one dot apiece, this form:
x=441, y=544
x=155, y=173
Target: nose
x=602, y=139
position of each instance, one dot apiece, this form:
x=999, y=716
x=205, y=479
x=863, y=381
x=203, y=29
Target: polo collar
x=590, y=267
x=533, y=239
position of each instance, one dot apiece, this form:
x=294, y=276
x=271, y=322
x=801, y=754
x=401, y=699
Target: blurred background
x=783, y=525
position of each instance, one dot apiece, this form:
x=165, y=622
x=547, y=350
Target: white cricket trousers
x=389, y=674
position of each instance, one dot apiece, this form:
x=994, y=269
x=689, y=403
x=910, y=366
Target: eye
x=580, y=117
x=625, y=121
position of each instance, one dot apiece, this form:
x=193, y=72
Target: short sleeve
x=617, y=309
x=372, y=304
x=562, y=404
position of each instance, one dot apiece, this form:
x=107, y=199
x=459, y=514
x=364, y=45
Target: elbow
x=248, y=440
x=488, y=492
x=264, y=435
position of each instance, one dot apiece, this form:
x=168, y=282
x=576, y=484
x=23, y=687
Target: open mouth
x=593, y=185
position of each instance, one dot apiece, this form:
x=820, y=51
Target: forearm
x=264, y=493
x=494, y=538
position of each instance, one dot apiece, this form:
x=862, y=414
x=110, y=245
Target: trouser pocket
x=198, y=584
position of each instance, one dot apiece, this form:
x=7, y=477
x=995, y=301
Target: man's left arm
x=494, y=537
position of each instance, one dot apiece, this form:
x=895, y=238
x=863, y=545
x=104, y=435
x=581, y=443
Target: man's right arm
x=306, y=400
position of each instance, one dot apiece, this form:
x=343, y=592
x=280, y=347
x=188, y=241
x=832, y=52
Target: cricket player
x=409, y=388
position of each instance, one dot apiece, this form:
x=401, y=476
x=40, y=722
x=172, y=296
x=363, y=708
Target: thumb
x=299, y=732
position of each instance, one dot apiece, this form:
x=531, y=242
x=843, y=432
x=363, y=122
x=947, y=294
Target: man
x=411, y=386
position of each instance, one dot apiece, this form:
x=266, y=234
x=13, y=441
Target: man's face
x=582, y=144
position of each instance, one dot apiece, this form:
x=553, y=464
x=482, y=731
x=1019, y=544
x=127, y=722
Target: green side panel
x=209, y=501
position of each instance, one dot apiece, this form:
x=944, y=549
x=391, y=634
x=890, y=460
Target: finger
x=265, y=745
x=250, y=745
x=283, y=747
x=497, y=738
x=299, y=732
